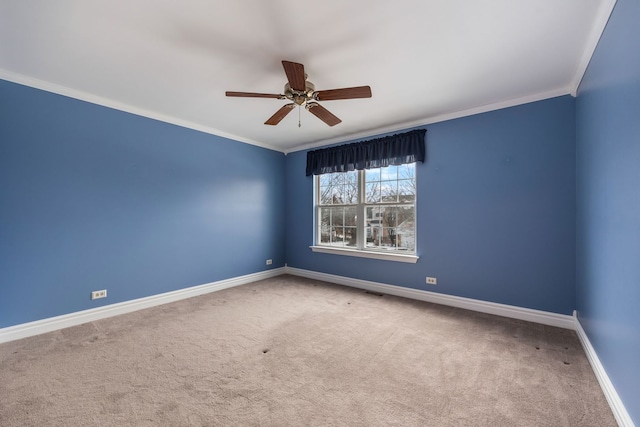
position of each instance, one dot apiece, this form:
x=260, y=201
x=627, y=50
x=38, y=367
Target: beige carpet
x=295, y=352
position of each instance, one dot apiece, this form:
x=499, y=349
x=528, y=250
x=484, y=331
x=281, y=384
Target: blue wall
x=608, y=189
x=496, y=211
x=94, y=198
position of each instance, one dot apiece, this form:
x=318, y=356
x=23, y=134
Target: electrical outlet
x=99, y=294
x=432, y=281
x=269, y=262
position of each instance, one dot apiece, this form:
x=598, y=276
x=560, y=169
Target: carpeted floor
x=289, y=351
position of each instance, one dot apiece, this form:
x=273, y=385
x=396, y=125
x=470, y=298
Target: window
x=371, y=210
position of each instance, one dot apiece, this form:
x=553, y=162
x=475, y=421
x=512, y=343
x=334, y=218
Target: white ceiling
x=425, y=60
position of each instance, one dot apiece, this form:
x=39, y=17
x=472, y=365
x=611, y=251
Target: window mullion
x=361, y=211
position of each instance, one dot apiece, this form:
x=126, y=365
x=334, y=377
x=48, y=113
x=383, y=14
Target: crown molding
x=110, y=103
x=436, y=119
x=606, y=8
x=116, y=105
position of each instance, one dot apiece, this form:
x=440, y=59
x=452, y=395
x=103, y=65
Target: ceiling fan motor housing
x=300, y=97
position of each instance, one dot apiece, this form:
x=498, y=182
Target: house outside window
x=372, y=210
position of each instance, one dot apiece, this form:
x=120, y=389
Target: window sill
x=366, y=254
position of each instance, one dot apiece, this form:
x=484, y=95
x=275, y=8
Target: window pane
x=350, y=193
x=338, y=226
x=350, y=216
x=389, y=239
x=407, y=171
x=389, y=173
x=406, y=228
x=337, y=236
x=406, y=190
x=325, y=195
x=373, y=226
x=391, y=227
x=338, y=188
x=373, y=215
x=350, y=236
x=391, y=216
x=389, y=191
x=350, y=177
x=373, y=192
x=337, y=198
x=373, y=237
x=350, y=187
x=324, y=219
x=325, y=180
x=372, y=174
x=337, y=216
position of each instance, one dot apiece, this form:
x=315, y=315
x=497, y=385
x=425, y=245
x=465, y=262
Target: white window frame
x=361, y=250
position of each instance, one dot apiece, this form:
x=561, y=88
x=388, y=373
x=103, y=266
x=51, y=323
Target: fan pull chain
x=299, y=125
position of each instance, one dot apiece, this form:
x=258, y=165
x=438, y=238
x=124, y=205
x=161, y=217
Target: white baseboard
x=59, y=322
x=617, y=407
x=537, y=316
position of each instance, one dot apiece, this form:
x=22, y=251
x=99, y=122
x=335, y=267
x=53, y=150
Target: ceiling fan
x=302, y=92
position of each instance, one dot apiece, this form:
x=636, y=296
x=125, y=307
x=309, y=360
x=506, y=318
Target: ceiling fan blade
x=255, y=95
x=323, y=114
x=345, y=93
x=295, y=75
x=280, y=114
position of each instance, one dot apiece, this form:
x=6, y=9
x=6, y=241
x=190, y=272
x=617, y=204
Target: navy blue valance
x=399, y=149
